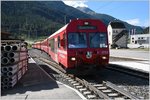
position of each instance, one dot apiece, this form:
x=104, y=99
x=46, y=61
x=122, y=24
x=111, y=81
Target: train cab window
x=77, y=40
x=98, y=40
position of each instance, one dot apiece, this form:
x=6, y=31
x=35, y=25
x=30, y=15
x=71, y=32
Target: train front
x=87, y=42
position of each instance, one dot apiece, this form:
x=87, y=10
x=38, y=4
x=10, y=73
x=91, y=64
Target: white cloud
x=135, y=21
x=76, y=3
x=138, y=22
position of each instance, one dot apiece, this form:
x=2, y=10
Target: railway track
x=105, y=90
x=125, y=70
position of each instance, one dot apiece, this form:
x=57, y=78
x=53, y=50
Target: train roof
x=57, y=32
x=117, y=24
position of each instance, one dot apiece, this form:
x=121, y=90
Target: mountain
x=146, y=30
x=107, y=18
x=36, y=18
x=86, y=10
x=31, y=19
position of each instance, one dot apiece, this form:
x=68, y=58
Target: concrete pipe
x=4, y=69
x=14, y=67
x=13, y=77
x=23, y=54
x=2, y=84
x=23, y=57
x=4, y=74
x=11, y=73
x=7, y=48
x=15, y=48
x=5, y=87
x=23, y=70
x=19, y=75
x=20, y=65
x=23, y=49
x=12, y=80
x=12, y=83
x=13, y=60
x=5, y=80
x=2, y=48
x=4, y=54
x=13, y=55
x=24, y=63
x=5, y=61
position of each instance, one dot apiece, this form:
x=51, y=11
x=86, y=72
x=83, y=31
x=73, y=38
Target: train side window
x=64, y=38
x=51, y=43
x=59, y=42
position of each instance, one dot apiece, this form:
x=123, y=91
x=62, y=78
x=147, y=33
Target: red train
x=79, y=46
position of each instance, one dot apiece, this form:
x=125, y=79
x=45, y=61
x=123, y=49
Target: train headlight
x=73, y=58
x=104, y=57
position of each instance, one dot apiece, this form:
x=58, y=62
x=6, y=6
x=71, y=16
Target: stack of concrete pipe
x=14, y=61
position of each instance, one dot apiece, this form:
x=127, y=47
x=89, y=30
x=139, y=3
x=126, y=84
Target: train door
x=56, y=50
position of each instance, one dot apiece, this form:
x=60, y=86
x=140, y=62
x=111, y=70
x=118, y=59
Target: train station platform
x=138, y=60
x=142, y=66
x=35, y=84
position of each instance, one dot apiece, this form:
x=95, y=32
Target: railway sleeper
x=65, y=76
x=87, y=92
x=119, y=98
x=107, y=91
x=68, y=78
x=113, y=94
x=101, y=88
x=91, y=96
x=76, y=84
x=79, y=87
x=73, y=82
x=98, y=85
x=82, y=89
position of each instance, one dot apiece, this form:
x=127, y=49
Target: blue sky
x=135, y=12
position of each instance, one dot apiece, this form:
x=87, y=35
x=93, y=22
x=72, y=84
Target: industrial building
x=139, y=41
x=117, y=35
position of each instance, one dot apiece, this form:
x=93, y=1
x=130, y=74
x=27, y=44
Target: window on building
x=116, y=31
x=141, y=37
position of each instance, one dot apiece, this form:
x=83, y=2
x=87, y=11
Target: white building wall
x=109, y=30
x=139, y=40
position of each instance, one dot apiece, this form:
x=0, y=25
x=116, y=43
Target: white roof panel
x=57, y=32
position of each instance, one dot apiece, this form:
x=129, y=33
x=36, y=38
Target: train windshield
x=98, y=40
x=77, y=40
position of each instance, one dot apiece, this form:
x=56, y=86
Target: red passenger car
x=79, y=46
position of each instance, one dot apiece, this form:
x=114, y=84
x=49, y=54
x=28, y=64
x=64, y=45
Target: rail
x=106, y=90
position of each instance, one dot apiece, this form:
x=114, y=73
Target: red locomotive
x=79, y=46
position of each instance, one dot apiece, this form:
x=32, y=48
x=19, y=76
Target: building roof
x=117, y=24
